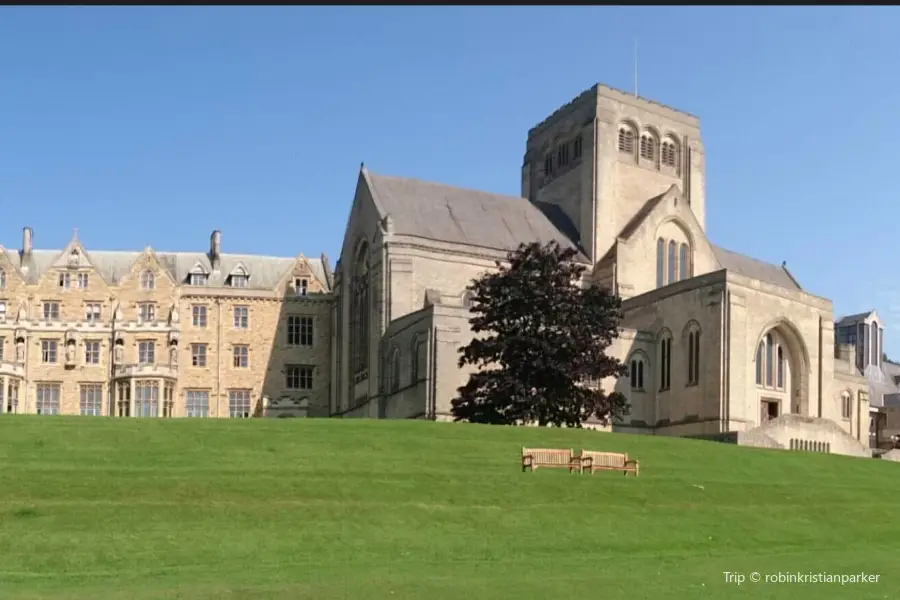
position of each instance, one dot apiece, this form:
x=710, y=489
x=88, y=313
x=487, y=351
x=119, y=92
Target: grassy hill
x=106, y=509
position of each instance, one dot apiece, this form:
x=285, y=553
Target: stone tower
x=603, y=155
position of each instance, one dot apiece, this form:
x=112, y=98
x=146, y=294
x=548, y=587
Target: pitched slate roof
x=265, y=271
x=444, y=213
x=755, y=269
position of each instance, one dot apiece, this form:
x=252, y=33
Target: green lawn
x=120, y=509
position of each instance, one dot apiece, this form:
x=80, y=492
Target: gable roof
x=755, y=269
x=265, y=271
x=444, y=213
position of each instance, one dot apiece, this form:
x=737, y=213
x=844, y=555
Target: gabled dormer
x=73, y=268
x=198, y=275
x=239, y=277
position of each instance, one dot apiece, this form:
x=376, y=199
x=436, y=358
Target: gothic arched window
x=359, y=310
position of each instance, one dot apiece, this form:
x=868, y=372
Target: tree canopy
x=540, y=342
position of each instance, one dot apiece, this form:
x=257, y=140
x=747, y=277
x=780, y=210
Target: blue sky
x=156, y=125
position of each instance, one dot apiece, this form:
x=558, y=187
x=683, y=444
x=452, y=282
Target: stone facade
x=158, y=334
x=718, y=344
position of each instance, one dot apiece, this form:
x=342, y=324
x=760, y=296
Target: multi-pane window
x=770, y=363
x=51, y=311
x=198, y=312
x=239, y=281
x=146, y=352
x=148, y=280
x=300, y=331
x=198, y=355
x=123, y=398
x=147, y=312
x=146, y=398
x=298, y=377
x=82, y=281
x=92, y=312
x=12, y=397
x=48, y=351
x=648, y=147
x=2, y=279
x=301, y=286
x=239, y=404
x=65, y=280
x=91, y=400
x=92, y=352
x=2, y=311
x=196, y=403
x=198, y=278
x=241, y=357
x=47, y=398
x=168, y=400
x=241, y=317
x=2, y=342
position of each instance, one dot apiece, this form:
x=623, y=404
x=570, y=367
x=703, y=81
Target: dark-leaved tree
x=539, y=338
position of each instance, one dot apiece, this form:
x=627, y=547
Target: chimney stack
x=215, y=247
x=27, y=238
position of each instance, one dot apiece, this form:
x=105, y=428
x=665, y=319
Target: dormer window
x=198, y=276
x=239, y=277
x=301, y=286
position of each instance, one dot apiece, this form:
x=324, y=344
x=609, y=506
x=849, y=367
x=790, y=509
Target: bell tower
x=601, y=157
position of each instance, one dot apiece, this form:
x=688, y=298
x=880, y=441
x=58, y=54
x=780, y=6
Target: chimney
x=215, y=247
x=27, y=237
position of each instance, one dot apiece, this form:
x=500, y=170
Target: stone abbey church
x=719, y=344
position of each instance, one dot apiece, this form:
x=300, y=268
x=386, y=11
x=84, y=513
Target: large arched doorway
x=780, y=372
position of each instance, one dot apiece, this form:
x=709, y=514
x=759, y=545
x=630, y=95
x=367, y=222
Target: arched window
x=394, y=370
x=759, y=363
x=684, y=261
x=2, y=279
x=874, y=335
x=467, y=300
x=660, y=262
x=771, y=363
x=673, y=263
x=418, y=366
x=779, y=368
x=669, y=153
x=648, y=146
x=359, y=310
x=665, y=361
x=846, y=405
x=626, y=139
x=637, y=374
x=693, y=373
x=148, y=280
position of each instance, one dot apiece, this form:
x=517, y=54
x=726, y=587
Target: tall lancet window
x=875, y=354
x=359, y=311
x=673, y=266
x=660, y=262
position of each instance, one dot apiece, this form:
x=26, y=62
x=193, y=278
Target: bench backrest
x=549, y=456
x=605, y=459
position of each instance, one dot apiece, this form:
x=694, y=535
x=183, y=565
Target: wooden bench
x=532, y=458
x=592, y=460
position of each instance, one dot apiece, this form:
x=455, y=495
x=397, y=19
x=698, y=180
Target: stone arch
x=627, y=137
x=798, y=362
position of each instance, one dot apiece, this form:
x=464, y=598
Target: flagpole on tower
x=635, y=69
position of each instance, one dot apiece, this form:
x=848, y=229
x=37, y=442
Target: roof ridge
x=446, y=185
